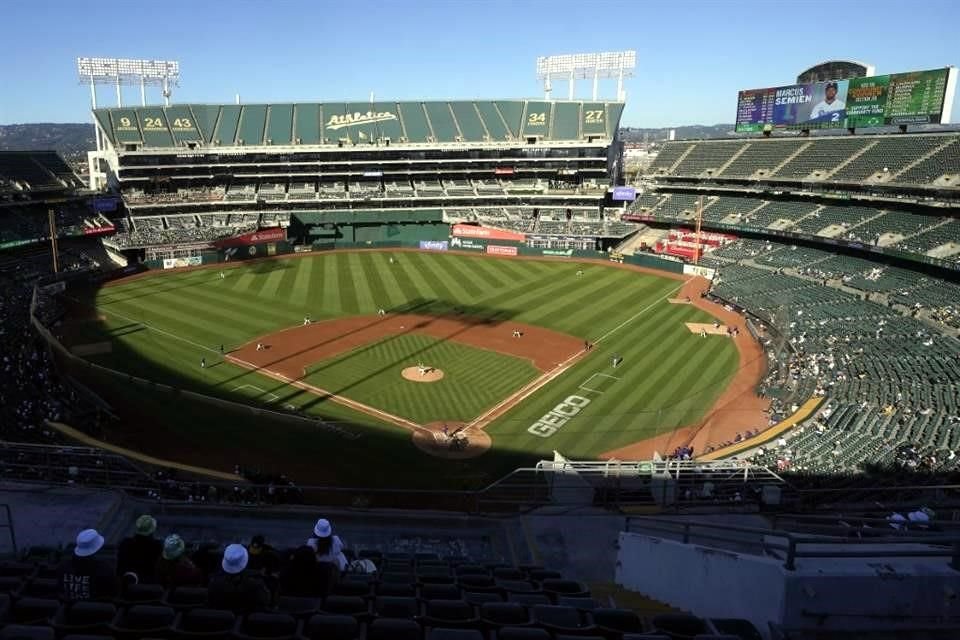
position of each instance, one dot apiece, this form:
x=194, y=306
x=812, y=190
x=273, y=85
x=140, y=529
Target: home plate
x=710, y=329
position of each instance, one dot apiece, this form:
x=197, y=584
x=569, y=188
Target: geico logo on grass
x=551, y=422
x=352, y=119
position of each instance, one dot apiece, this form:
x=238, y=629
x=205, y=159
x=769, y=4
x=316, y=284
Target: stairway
x=862, y=151
x=793, y=155
x=933, y=152
x=723, y=167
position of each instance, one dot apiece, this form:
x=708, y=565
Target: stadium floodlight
x=609, y=64
x=125, y=71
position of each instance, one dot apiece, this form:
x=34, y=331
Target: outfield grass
x=161, y=325
x=474, y=379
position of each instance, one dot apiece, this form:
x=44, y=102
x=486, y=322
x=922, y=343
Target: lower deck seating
x=417, y=597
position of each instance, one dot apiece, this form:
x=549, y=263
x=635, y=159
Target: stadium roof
x=434, y=122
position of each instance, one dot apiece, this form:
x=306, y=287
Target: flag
x=363, y=136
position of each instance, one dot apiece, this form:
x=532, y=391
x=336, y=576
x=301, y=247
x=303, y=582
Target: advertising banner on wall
x=179, y=263
x=254, y=237
x=468, y=243
x=694, y=270
x=488, y=233
x=98, y=231
x=624, y=194
x=558, y=253
x=434, y=245
x=501, y=250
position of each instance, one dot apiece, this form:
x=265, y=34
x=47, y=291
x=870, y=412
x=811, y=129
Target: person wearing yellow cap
x=137, y=555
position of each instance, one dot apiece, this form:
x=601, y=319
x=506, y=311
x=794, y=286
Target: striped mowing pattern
x=669, y=376
x=474, y=379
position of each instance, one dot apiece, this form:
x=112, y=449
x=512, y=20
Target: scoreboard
x=918, y=97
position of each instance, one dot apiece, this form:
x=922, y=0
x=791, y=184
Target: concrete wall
x=705, y=581
x=849, y=594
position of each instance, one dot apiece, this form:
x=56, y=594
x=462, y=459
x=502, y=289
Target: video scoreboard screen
x=919, y=97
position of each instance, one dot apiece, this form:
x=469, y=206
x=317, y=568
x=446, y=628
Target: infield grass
x=474, y=379
x=160, y=326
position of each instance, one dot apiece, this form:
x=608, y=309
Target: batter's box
x=270, y=397
x=598, y=383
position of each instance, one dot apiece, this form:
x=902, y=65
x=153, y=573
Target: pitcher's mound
x=428, y=374
x=457, y=443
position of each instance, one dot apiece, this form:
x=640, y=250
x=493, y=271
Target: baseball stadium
x=472, y=333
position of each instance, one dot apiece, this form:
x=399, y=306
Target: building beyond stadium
x=341, y=174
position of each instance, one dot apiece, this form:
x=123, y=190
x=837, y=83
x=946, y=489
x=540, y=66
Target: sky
x=692, y=55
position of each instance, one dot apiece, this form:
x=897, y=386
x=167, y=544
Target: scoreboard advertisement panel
x=919, y=97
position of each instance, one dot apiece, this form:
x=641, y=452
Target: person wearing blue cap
x=235, y=588
x=85, y=575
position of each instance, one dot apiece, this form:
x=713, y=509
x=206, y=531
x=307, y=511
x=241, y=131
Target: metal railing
x=8, y=525
x=789, y=546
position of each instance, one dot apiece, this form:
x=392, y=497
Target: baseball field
x=396, y=352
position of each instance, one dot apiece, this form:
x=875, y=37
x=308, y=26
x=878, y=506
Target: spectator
x=174, y=568
x=303, y=576
x=263, y=557
x=327, y=546
x=234, y=588
x=137, y=555
x=84, y=575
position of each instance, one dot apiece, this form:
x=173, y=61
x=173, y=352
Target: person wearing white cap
x=329, y=547
x=84, y=575
x=235, y=588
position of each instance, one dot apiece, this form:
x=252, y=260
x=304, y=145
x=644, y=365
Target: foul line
x=347, y=402
x=508, y=403
x=641, y=312
x=166, y=333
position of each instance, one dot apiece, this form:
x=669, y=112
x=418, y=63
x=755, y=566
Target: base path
x=286, y=355
x=292, y=350
x=737, y=409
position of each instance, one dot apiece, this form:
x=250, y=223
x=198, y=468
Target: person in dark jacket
x=138, y=554
x=235, y=588
x=263, y=557
x=304, y=577
x=84, y=575
x=174, y=568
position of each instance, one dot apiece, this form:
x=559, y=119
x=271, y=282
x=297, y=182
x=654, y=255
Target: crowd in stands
x=936, y=236
x=162, y=230
x=29, y=222
x=388, y=187
x=548, y=221
x=30, y=390
x=247, y=577
x=890, y=378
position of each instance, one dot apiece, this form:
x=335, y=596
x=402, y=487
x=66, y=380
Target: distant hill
x=71, y=140
x=636, y=134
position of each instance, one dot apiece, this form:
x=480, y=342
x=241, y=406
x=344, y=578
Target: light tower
x=571, y=67
x=123, y=71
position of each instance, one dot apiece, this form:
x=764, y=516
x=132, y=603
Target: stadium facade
x=338, y=173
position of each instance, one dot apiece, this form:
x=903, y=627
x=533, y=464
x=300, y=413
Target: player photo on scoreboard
x=828, y=102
